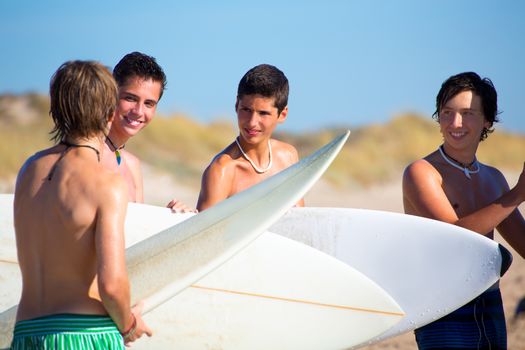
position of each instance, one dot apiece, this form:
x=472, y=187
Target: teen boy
x=451, y=185
x=141, y=83
x=69, y=223
x=262, y=104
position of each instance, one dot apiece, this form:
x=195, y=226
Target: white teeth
x=133, y=122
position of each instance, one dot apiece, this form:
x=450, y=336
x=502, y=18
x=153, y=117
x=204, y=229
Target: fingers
x=141, y=327
x=177, y=206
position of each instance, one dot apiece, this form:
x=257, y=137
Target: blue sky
x=348, y=62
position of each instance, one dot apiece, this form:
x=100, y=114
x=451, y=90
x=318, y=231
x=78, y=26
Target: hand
x=140, y=328
x=177, y=206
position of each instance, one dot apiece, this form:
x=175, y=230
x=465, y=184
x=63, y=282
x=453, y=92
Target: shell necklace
x=255, y=167
x=458, y=165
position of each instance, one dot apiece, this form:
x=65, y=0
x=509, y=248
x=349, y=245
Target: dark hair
x=265, y=80
x=84, y=96
x=470, y=81
x=137, y=64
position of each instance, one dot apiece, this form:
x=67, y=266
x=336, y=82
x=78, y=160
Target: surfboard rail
x=173, y=259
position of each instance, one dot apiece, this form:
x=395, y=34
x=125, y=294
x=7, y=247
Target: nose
x=457, y=120
x=137, y=108
x=253, y=118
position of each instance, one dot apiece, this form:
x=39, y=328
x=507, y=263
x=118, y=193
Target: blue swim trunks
x=480, y=324
x=67, y=331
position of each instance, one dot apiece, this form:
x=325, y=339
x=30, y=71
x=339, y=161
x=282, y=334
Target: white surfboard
x=277, y=294
x=163, y=265
x=429, y=267
x=272, y=288
x=274, y=294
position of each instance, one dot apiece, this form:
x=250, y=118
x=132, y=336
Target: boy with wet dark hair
x=261, y=104
x=452, y=186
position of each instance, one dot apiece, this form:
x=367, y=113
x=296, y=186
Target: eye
x=445, y=113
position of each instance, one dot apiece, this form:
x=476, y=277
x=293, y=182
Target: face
x=461, y=119
x=257, y=117
x=137, y=104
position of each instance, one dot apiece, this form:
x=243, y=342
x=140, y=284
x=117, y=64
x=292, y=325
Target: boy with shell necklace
x=262, y=103
x=452, y=186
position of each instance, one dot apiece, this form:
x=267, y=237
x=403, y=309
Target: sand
x=160, y=188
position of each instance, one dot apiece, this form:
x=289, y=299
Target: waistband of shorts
x=65, y=323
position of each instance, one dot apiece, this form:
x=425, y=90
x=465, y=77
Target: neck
x=114, y=143
x=464, y=159
x=467, y=169
x=83, y=144
x=260, y=156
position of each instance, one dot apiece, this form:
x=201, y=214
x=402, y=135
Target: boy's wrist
x=131, y=330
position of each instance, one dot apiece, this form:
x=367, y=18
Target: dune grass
x=181, y=146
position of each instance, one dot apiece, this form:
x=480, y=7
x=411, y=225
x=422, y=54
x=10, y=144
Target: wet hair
x=84, y=96
x=482, y=87
x=265, y=80
x=137, y=64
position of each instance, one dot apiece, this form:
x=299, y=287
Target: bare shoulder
x=132, y=160
x=493, y=175
x=109, y=188
x=420, y=169
x=284, y=151
x=222, y=164
x=217, y=179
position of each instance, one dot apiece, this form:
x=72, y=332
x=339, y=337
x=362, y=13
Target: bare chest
x=469, y=195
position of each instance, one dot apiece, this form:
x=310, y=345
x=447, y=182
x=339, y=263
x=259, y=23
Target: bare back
x=59, y=224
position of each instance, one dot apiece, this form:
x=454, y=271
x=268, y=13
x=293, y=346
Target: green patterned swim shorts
x=67, y=331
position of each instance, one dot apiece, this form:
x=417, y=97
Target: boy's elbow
x=113, y=288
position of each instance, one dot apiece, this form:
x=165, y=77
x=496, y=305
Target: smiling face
x=461, y=120
x=257, y=117
x=137, y=105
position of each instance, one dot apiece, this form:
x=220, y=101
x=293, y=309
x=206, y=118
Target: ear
x=282, y=117
x=236, y=103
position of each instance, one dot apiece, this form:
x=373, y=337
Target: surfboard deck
x=271, y=295
x=164, y=264
x=429, y=267
x=277, y=294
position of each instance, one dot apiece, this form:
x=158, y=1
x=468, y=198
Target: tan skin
x=73, y=225
x=230, y=172
x=434, y=189
x=138, y=100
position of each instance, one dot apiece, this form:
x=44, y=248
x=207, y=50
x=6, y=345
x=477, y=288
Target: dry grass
x=180, y=146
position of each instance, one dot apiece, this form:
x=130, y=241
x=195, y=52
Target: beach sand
x=380, y=197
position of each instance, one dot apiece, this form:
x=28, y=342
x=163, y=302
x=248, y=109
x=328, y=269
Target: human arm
x=512, y=229
x=112, y=278
x=423, y=195
x=216, y=183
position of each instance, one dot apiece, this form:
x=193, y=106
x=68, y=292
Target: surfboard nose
x=506, y=259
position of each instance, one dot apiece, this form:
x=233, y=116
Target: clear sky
x=349, y=62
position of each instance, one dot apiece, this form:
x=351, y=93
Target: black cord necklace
x=459, y=165
x=116, y=150
x=68, y=146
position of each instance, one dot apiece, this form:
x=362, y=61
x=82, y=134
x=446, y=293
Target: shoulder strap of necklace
x=68, y=146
